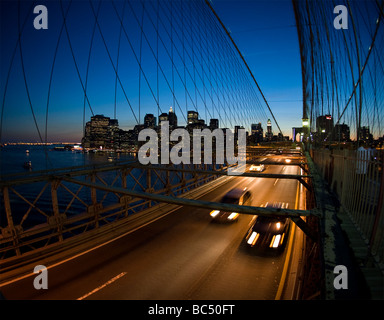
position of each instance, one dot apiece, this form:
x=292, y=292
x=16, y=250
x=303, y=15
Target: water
x=31, y=202
x=39, y=193
x=12, y=158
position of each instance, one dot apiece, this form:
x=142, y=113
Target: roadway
x=184, y=255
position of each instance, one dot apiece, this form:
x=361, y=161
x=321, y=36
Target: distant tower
x=149, y=121
x=324, y=127
x=172, y=119
x=214, y=124
x=257, y=132
x=101, y=132
x=193, y=116
x=163, y=117
x=269, y=133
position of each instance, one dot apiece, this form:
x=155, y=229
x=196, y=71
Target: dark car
x=235, y=196
x=269, y=232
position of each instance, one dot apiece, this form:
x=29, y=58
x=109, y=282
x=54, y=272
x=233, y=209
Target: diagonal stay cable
x=10, y=68
x=73, y=54
x=110, y=58
x=51, y=76
x=201, y=74
x=132, y=49
x=170, y=85
x=362, y=69
x=154, y=55
x=25, y=79
x=27, y=87
x=117, y=60
x=242, y=58
x=88, y=64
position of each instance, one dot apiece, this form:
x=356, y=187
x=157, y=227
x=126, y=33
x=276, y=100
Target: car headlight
x=253, y=238
x=214, y=213
x=232, y=216
x=277, y=240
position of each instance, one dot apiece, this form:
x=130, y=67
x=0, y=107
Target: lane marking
x=102, y=286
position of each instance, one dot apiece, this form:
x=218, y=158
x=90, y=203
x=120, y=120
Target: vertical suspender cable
x=246, y=64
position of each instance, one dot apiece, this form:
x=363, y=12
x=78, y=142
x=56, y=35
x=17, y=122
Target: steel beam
x=295, y=215
x=124, y=167
x=11, y=227
x=224, y=172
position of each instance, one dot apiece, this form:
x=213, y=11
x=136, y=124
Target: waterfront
x=44, y=157
x=30, y=190
x=13, y=157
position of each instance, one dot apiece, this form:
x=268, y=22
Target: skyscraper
x=324, y=127
x=257, y=132
x=214, y=124
x=342, y=132
x=163, y=117
x=101, y=132
x=172, y=118
x=193, y=116
x=365, y=134
x=269, y=134
x=149, y=121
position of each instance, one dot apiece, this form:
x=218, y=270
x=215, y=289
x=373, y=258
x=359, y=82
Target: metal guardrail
x=85, y=205
x=87, y=202
x=46, y=209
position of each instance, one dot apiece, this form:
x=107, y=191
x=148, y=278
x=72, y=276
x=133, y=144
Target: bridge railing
x=356, y=177
x=62, y=211
x=40, y=211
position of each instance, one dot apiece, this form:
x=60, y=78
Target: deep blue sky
x=264, y=31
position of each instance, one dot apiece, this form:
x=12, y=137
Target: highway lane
x=181, y=256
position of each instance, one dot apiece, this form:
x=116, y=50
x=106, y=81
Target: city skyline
x=103, y=132
x=200, y=150
x=53, y=80
x=59, y=114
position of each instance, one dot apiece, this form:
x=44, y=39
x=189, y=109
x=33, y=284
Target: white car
x=257, y=168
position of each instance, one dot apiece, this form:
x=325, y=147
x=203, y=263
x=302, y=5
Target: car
x=257, y=168
x=234, y=196
x=269, y=232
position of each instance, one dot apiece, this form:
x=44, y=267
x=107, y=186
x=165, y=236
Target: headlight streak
x=253, y=238
x=214, y=213
x=233, y=216
x=275, y=242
